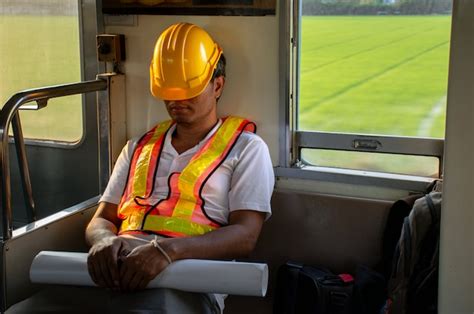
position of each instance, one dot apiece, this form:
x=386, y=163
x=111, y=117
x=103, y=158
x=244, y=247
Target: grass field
x=38, y=51
x=379, y=75
x=376, y=75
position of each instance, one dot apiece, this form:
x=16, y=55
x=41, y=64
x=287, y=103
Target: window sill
x=352, y=182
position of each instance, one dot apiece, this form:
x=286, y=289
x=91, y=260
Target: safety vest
x=182, y=212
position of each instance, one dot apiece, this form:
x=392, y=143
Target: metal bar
x=371, y=143
x=103, y=117
x=295, y=77
x=44, y=222
x=284, y=94
x=6, y=117
x=24, y=170
x=297, y=17
x=91, y=23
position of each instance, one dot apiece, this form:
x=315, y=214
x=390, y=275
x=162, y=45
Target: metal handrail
x=24, y=171
x=8, y=115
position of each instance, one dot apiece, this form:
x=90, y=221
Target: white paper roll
x=194, y=275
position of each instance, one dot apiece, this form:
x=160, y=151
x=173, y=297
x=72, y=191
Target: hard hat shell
x=184, y=60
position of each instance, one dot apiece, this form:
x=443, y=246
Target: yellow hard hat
x=183, y=62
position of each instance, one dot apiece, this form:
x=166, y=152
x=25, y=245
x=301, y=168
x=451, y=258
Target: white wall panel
x=456, y=293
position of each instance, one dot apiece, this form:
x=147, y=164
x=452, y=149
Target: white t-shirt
x=243, y=181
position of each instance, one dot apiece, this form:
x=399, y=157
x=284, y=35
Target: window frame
x=292, y=140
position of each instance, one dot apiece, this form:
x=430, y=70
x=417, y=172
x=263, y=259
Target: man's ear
x=218, y=86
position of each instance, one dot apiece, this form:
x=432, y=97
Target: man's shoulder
x=249, y=137
x=250, y=143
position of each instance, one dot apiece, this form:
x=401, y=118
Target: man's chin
x=181, y=119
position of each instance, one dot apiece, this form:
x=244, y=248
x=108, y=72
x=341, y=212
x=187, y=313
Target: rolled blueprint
x=206, y=276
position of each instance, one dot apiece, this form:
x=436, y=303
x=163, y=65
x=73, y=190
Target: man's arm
x=237, y=239
x=105, y=223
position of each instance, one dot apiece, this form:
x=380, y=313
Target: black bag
x=311, y=290
x=370, y=291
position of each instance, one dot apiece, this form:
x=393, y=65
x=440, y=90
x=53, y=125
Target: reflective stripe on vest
x=181, y=213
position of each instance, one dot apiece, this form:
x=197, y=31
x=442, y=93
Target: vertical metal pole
x=103, y=116
x=295, y=60
x=24, y=170
x=6, y=188
x=285, y=84
x=90, y=24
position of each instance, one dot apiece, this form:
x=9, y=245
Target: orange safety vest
x=182, y=212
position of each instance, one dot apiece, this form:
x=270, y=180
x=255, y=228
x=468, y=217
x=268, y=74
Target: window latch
x=366, y=144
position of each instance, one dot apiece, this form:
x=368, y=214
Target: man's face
x=199, y=108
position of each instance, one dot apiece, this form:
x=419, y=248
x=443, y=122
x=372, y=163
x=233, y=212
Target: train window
x=40, y=46
x=373, y=67
x=417, y=165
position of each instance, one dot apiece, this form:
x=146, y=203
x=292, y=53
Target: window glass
x=400, y=164
x=39, y=47
x=374, y=66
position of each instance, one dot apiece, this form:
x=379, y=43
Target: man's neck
x=187, y=136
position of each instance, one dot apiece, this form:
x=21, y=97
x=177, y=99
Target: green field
x=38, y=51
x=375, y=75
x=379, y=75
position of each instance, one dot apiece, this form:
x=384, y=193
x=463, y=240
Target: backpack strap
x=433, y=212
x=393, y=229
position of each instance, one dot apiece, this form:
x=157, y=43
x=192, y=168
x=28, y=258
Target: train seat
x=316, y=229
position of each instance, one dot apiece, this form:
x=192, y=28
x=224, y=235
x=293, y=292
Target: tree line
x=376, y=7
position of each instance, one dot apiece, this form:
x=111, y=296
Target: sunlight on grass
x=37, y=51
x=377, y=75
x=384, y=75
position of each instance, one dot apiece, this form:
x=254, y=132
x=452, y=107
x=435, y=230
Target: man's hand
x=102, y=261
x=140, y=266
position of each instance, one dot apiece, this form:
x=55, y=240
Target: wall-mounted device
x=111, y=48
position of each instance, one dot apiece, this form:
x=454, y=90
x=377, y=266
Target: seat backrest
x=331, y=231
